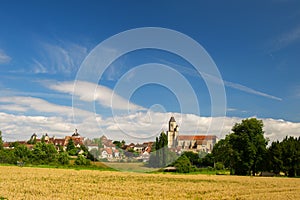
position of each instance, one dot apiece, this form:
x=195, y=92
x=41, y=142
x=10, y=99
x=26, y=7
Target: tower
x=172, y=133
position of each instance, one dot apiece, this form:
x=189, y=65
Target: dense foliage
x=245, y=152
x=183, y=164
x=161, y=156
x=284, y=157
x=43, y=153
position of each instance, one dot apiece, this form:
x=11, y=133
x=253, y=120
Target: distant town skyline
x=254, y=44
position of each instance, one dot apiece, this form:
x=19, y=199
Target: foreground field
x=42, y=183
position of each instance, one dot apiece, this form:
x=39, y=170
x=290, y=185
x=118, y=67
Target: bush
x=63, y=158
x=7, y=156
x=73, y=152
x=183, y=165
x=219, y=166
x=81, y=160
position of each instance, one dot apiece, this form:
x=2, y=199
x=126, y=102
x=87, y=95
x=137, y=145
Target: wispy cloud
x=290, y=37
x=4, y=58
x=39, y=68
x=237, y=86
x=249, y=90
x=64, y=57
x=90, y=92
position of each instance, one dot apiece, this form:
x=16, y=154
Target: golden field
x=44, y=183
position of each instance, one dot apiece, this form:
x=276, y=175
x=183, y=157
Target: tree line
x=43, y=153
x=245, y=151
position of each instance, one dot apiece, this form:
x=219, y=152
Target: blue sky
x=255, y=46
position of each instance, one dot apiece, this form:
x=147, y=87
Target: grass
x=51, y=183
x=94, y=166
x=130, y=167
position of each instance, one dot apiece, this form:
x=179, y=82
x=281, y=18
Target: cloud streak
x=64, y=57
x=286, y=39
x=237, y=86
x=4, y=58
x=249, y=90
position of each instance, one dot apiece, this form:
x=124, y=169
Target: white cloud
x=4, y=58
x=29, y=105
x=149, y=125
x=34, y=104
x=64, y=57
x=39, y=68
x=250, y=90
x=90, y=92
x=286, y=39
x=136, y=127
x=10, y=107
x=21, y=127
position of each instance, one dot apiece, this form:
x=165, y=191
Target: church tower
x=172, y=133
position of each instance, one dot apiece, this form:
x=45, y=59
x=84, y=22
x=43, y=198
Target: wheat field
x=43, y=183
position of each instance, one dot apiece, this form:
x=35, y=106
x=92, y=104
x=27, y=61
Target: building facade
x=203, y=143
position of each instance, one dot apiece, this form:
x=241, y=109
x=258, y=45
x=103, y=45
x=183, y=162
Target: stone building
x=203, y=143
x=172, y=133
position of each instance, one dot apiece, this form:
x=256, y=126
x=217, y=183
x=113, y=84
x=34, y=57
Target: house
x=6, y=145
x=59, y=142
x=110, y=153
x=106, y=142
x=139, y=148
x=116, y=153
x=106, y=153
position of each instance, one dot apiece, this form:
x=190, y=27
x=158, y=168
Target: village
x=106, y=150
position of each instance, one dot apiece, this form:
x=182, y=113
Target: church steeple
x=172, y=124
x=172, y=132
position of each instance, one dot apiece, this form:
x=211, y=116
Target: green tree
x=123, y=142
x=71, y=149
x=7, y=156
x=183, y=164
x=1, y=141
x=249, y=146
x=87, y=153
x=193, y=157
x=274, y=160
x=70, y=145
x=44, y=153
x=160, y=157
x=22, y=153
x=207, y=161
x=118, y=144
x=81, y=160
x=63, y=158
x=291, y=156
x=223, y=153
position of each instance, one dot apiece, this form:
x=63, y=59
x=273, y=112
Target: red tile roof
x=108, y=150
x=197, y=137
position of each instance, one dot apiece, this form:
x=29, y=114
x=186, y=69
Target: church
x=198, y=143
